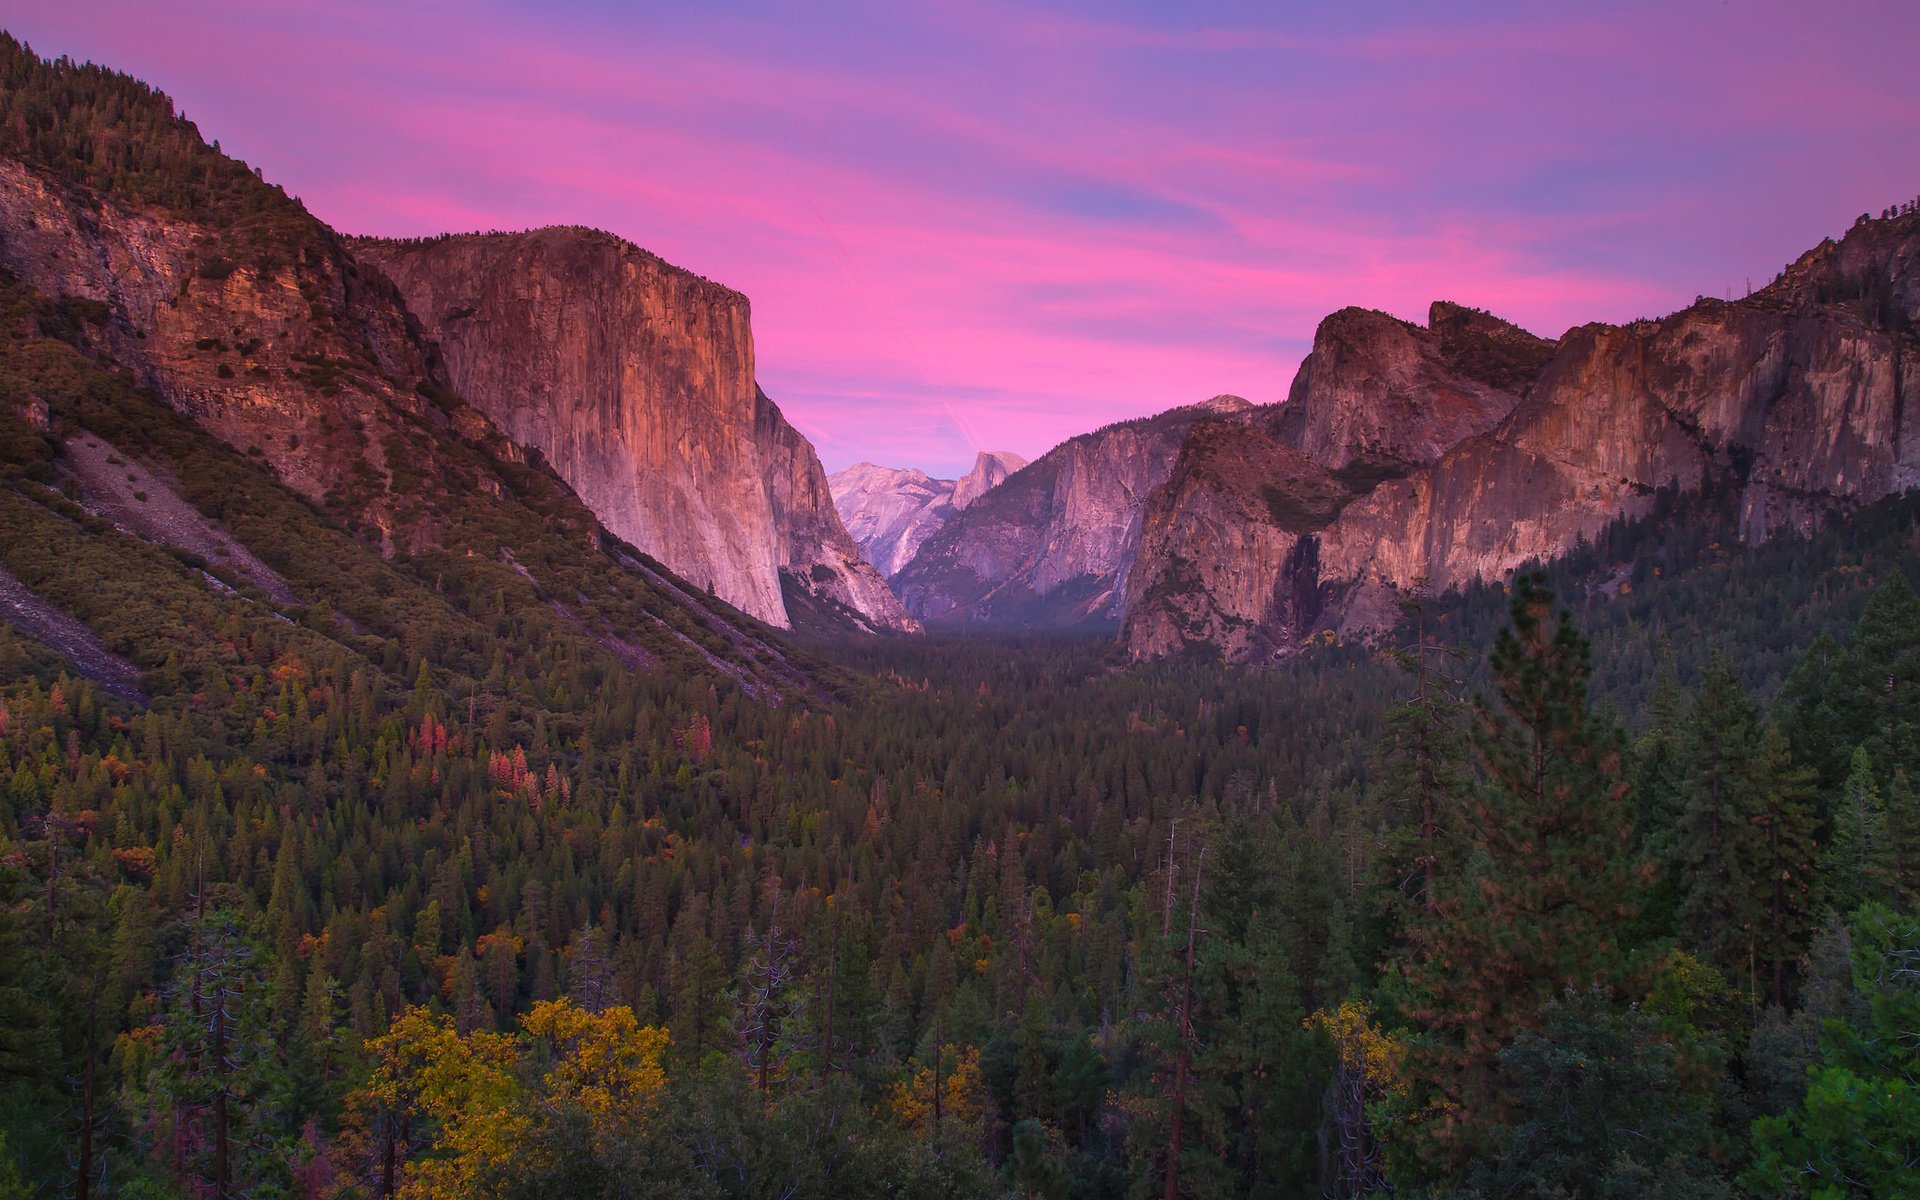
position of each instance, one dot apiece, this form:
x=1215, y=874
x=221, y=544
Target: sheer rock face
x=891, y=511
x=635, y=380
x=1463, y=450
x=1053, y=546
x=306, y=362
x=990, y=470
x=1378, y=394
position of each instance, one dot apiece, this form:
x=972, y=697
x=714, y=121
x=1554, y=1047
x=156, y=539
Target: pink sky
x=973, y=225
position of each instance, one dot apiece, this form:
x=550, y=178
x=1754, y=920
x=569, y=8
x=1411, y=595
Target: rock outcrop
x=177, y=277
x=294, y=355
x=891, y=511
x=990, y=470
x=1053, y=546
x=1463, y=450
x=1378, y=396
x=635, y=380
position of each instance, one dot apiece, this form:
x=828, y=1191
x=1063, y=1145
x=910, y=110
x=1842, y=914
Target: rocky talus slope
x=1463, y=449
x=1053, y=546
x=291, y=353
x=891, y=511
x=634, y=379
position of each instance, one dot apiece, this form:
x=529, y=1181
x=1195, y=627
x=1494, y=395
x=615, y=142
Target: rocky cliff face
x=225, y=301
x=891, y=511
x=990, y=470
x=1465, y=449
x=635, y=380
x=292, y=354
x=1378, y=396
x=1053, y=546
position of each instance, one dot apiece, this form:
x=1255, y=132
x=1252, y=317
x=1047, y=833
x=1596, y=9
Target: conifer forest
x=443, y=845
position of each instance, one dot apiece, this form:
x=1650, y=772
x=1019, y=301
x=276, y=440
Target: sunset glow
x=974, y=225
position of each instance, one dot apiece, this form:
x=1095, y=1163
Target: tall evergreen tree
x=1714, y=845
x=1808, y=707
x=1881, y=703
x=1263, y=1071
x=1549, y=886
x=1786, y=864
x=1418, y=768
x=1859, y=863
x=1903, y=841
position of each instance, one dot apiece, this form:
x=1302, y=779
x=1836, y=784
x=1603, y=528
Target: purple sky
x=983, y=225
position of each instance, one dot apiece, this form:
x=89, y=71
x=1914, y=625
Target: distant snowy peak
x=890, y=511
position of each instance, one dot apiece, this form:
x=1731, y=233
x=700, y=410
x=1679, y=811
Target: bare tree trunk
x=1185, y=1034
x=84, y=1180
x=220, y=1096
x=1166, y=913
x=387, y=1155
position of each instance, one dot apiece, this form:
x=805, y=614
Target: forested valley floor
x=414, y=837
x=1609, y=892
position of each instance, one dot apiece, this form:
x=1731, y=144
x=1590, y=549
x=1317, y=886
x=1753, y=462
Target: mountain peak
x=990, y=469
x=555, y=334
x=1225, y=403
x=1378, y=394
x=1470, y=446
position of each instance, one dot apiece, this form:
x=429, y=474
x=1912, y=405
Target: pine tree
x=1786, y=869
x=1903, y=841
x=1660, y=758
x=1550, y=884
x=1262, y=1069
x=1807, y=708
x=1881, y=703
x=1715, y=845
x=590, y=970
x=1417, y=771
x=769, y=1007
x=212, y=1083
x=1859, y=864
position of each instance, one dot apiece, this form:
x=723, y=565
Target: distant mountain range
x=427, y=396
x=1051, y=547
x=890, y=511
x=1444, y=453
x=1458, y=451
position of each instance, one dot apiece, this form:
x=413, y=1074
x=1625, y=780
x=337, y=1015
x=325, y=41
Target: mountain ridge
x=891, y=511
x=635, y=379
x=158, y=258
x=1798, y=394
x=1052, y=546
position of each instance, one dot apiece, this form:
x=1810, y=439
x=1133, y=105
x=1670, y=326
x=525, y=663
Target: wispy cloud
x=978, y=223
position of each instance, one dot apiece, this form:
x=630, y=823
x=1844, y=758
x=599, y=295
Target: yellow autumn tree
x=466, y=1092
x=605, y=1062
x=1369, y=1066
x=960, y=1097
x=474, y=1097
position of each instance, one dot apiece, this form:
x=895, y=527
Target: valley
x=457, y=739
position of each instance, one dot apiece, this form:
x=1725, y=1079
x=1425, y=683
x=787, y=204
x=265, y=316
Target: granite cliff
x=1053, y=546
x=273, y=339
x=180, y=278
x=634, y=379
x=1462, y=450
x=891, y=511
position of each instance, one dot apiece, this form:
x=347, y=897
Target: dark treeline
x=418, y=887
x=1015, y=919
